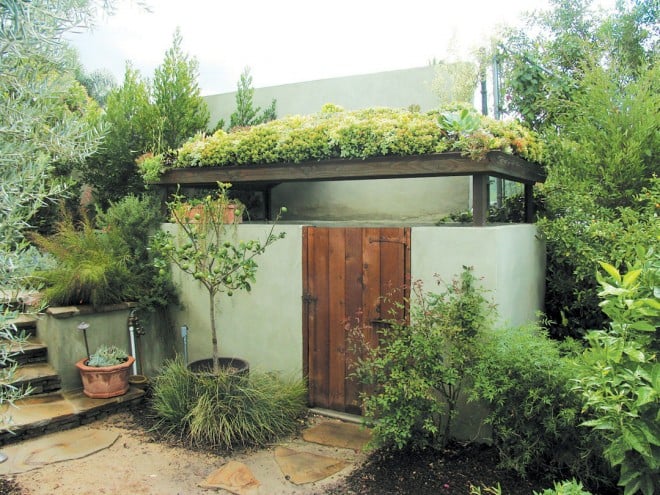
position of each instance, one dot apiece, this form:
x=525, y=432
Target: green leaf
x=648, y=484
x=654, y=376
x=627, y=475
x=635, y=354
x=636, y=439
x=599, y=424
x=630, y=277
x=642, y=326
x=632, y=487
x=614, y=273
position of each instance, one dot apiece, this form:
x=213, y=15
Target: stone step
x=31, y=351
x=26, y=324
x=46, y=413
x=41, y=377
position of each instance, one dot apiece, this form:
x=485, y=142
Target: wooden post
x=479, y=199
x=529, y=203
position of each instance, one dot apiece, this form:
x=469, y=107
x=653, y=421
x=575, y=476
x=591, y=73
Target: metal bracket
x=308, y=298
x=392, y=240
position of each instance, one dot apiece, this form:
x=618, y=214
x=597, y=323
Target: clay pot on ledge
x=103, y=382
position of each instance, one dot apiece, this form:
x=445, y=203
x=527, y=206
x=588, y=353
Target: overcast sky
x=287, y=41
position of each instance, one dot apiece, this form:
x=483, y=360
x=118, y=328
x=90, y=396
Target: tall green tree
x=133, y=128
x=246, y=114
x=181, y=109
x=546, y=68
x=588, y=81
x=40, y=127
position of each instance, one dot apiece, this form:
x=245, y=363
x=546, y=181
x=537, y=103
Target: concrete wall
x=263, y=326
x=395, y=89
x=66, y=344
x=510, y=258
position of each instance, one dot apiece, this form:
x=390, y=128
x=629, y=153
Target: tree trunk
x=214, y=335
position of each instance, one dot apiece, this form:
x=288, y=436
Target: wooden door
x=346, y=274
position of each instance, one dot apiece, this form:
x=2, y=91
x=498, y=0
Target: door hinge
x=393, y=240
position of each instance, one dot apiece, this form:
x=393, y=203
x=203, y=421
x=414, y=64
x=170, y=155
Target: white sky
x=287, y=41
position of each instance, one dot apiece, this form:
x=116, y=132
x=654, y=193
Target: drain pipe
x=184, y=336
x=132, y=323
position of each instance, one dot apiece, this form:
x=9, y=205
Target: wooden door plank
x=337, y=317
x=317, y=242
x=312, y=322
x=307, y=309
x=371, y=280
x=407, y=283
x=354, y=315
x=320, y=350
x=392, y=263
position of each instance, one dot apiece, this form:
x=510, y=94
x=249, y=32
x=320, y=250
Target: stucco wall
x=66, y=344
x=510, y=258
x=263, y=326
x=395, y=89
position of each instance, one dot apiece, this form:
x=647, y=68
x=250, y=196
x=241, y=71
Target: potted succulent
x=207, y=249
x=104, y=373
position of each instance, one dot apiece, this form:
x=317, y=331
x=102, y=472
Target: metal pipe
x=84, y=326
x=184, y=335
x=132, y=320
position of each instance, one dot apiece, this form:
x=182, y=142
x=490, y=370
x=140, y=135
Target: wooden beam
x=495, y=163
x=529, y=203
x=479, y=199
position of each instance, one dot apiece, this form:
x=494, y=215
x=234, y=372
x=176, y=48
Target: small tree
x=182, y=111
x=246, y=114
x=132, y=128
x=208, y=250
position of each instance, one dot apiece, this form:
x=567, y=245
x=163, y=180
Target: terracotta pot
x=139, y=381
x=228, y=215
x=106, y=381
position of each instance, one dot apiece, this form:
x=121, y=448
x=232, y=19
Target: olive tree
x=37, y=132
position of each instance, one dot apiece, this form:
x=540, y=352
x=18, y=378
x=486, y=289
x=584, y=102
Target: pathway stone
x=306, y=467
x=338, y=434
x=235, y=477
x=56, y=447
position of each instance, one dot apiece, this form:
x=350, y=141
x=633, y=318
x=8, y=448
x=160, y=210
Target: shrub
x=418, y=369
x=227, y=410
x=620, y=376
x=581, y=234
x=90, y=266
x=565, y=488
x=132, y=222
x=535, y=416
x=108, y=264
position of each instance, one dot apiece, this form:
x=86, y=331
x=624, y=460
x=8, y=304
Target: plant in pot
x=104, y=373
x=207, y=249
